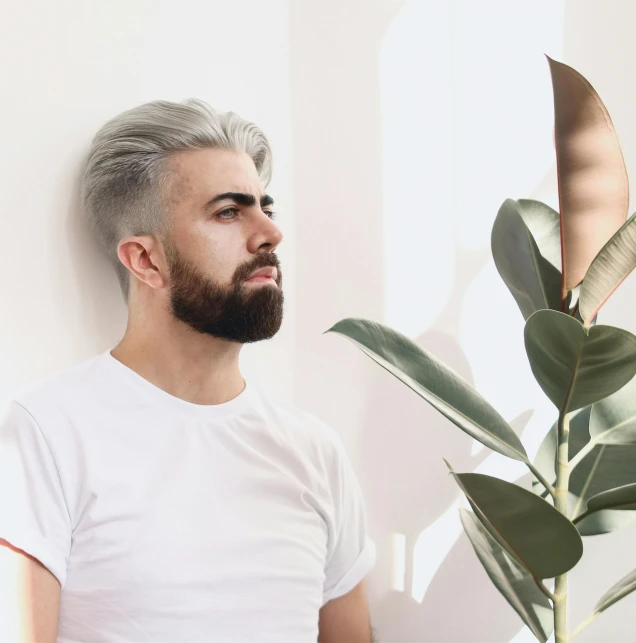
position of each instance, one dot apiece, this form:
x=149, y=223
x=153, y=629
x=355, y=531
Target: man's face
x=217, y=243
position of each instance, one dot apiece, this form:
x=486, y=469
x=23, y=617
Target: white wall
x=398, y=127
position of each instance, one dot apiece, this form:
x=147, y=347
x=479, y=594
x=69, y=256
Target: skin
x=184, y=285
x=346, y=618
x=195, y=366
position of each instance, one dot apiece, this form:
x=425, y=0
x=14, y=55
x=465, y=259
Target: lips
x=268, y=271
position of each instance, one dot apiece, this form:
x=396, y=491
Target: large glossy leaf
x=545, y=226
x=609, y=269
x=533, y=281
x=623, y=498
x=624, y=587
x=613, y=419
x=576, y=366
x=593, y=184
x=513, y=581
x=439, y=385
x=532, y=531
x=605, y=467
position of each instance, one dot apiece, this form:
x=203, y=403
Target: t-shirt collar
x=244, y=400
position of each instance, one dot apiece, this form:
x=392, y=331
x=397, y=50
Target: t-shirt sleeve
x=351, y=552
x=33, y=513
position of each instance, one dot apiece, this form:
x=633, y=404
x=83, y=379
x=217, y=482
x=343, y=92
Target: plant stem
x=561, y=504
x=537, y=474
x=564, y=296
x=544, y=589
x=586, y=450
x=584, y=624
x=560, y=609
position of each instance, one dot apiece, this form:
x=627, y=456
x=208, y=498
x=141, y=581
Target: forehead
x=200, y=174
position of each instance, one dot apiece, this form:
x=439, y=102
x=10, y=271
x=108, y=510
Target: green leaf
x=573, y=299
x=533, y=532
x=609, y=269
x=593, y=184
x=624, y=587
x=622, y=498
x=545, y=226
x=613, y=419
x=440, y=386
x=515, y=583
x=533, y=281
x=576, y=366
x=605, y=467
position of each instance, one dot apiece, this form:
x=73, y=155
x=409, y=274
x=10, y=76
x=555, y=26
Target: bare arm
x=29, y=597
x=346, y=618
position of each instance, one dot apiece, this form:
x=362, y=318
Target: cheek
x=218, y=264
x=218, y=252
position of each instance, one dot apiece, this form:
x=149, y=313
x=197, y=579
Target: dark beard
x=242, y=313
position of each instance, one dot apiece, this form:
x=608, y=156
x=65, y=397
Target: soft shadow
x=407, y=487
x=101, y=305
x=462, y=581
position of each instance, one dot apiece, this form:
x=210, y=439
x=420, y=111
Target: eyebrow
x=240, y=197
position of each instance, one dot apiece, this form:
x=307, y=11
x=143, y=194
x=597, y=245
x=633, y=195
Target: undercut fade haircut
x=125, y=181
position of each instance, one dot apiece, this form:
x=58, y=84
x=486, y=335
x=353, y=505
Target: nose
x=277, y=233
x=267, y=235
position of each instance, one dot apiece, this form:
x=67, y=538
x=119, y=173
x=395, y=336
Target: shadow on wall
x=407, y=490
x=102, y=304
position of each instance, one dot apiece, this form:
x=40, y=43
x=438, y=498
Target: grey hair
x=125, y=178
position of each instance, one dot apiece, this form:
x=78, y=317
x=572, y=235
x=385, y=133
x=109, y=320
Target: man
x=150, y=493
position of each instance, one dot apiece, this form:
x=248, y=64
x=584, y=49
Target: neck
x=192, y=366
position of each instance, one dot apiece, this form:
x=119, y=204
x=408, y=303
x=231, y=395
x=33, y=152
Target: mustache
x=260, y=261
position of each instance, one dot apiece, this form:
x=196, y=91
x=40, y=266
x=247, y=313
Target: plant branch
x=588, y=482
x=581, y=516
x=584, y=624
x=586, y=450
x=544, y=589
x=564, y=292
x=537, y=474
x=561, y=504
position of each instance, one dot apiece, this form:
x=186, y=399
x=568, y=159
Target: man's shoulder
x=302, y=424
x=61, y=389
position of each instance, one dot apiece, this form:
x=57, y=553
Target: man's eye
x=231, y=210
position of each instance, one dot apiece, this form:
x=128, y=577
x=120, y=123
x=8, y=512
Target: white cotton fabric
x=168, y=521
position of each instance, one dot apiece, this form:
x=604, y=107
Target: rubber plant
x=560, y=268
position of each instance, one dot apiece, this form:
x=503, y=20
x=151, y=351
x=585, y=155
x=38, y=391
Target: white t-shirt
x=168, y=521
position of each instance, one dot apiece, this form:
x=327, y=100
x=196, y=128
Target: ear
x=144, y=258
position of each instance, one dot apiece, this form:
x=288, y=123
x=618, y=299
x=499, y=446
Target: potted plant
x=560, y=268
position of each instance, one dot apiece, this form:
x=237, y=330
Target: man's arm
x=346, y=618
x=29, y=597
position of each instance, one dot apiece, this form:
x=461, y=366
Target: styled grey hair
x=125, y=180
